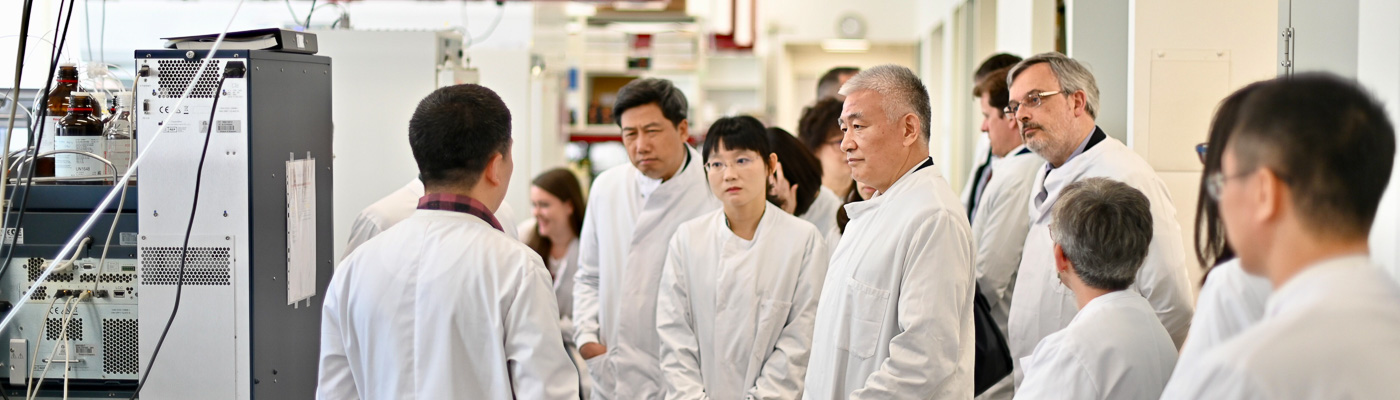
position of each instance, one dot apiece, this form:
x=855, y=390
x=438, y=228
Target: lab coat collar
x=1104, y=301
x=854, y=210
x=1312, y=283
x=764, y=223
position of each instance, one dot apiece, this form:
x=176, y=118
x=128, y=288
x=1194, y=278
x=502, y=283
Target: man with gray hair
x=895, y=318
x=1054, y=100
x=1114, y=348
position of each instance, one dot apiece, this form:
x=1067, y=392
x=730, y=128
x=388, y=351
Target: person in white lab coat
x=895, y=318
x=633, y=210
x=821, y=133
x=979, y=176
x=557, y=204
x=444, y=304
x=1000, y=218
x=1114, y=348
x=796, y=185
x=1054, y=100
x=740, y=286
x=1230, y=299
x=1300, y=181
x=398, y=206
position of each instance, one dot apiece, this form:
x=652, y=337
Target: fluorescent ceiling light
x=845, y=45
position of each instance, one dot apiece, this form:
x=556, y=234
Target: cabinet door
x=1317, y=35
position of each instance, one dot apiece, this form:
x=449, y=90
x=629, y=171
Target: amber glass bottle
x=80, y=130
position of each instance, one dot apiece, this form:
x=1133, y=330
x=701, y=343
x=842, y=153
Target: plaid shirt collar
x=457, y=203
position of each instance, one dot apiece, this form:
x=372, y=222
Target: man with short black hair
x=977, y=177
x=830, y=82
x=1114, y=348
x=633, y=210
x=444, y=304
x=1055, y=100
x=1300, y=181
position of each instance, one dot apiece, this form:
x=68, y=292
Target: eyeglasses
x=1215, y=183
x=1201, y=151
x=741, y=162
x=1033, y=100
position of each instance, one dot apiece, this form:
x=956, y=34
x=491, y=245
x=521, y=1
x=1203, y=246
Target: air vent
x=53, y=327
x=120, y=347
x=203, y=265
x=41, y=294
x=35, y=267
x=175, y=75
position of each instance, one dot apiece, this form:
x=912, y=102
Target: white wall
x=1098, y=36
x=1378, y=68
x=1025, y=27
x=1187, y=55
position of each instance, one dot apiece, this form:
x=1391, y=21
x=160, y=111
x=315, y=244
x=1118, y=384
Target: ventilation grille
x=203, y=265
x=35, y=267
x=41, y=294
x=176, y=74
x=53, y=327
x=108, y=278
x=120, y=347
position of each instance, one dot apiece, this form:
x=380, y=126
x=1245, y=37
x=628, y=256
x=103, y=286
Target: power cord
x=229, y=69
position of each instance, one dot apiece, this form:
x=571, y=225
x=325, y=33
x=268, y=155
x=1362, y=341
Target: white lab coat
x=1114, y=349
x=735, y=316
x=999, y=229
x=397, y=206
x=442, y=306
x=1230, y=302
x=621, y=254
x=563, y=271
x=1330, y=332
x=1041, y=305
x=822, y=213
x=895, y=317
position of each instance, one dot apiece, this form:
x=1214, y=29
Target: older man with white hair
x=895, y=317
x=1055, y=101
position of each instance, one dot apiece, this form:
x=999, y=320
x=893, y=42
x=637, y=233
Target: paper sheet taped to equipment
x=301, y=229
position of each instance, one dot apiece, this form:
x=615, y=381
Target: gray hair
x=903, y=91
x=1073, y=77
x=1104, y=228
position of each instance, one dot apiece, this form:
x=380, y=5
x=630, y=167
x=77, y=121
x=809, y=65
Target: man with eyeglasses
x=1298, y=201
x=1054, y=100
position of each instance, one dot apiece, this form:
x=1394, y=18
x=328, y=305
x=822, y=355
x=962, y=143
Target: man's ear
x=1080, y=102
x=1272, y=195
x=1062, y=263
x=910, y=127
x=495, y=170
x=684, y=129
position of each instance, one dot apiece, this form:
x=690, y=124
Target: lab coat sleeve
x=360, y=232
x=785, y=369
x=539, y=366
x=680, y=349
x=934, y=310
x=586, y=281
x=1214, y=382
x=1054, y=371
x=1004, y=224
x=335, y=380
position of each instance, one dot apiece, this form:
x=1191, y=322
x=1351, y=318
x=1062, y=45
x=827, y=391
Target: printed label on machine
x=10, y=235
x=77, y=165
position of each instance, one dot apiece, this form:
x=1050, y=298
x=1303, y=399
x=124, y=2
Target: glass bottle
x=59, y=99
x=80, y=130
x=120, y=138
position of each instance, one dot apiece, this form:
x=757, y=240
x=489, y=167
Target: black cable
x=36, y=133
x=184, y=248
x=19, y=70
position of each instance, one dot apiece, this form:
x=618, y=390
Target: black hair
x=737, y=133
x=820, y=123
x=993, y=86
x=852, y=196
x=1328, y=139
x=645, y=91
x=1212, y=248
x=800, y=167
x=993, y=63
x=455, y=130
x=827, y=85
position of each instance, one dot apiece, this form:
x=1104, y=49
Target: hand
x=592, y=349
x=785, y=192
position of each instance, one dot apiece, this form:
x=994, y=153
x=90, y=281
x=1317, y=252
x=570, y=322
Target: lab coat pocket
x=772, y=317
x=601, y=372
x=865, y=309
